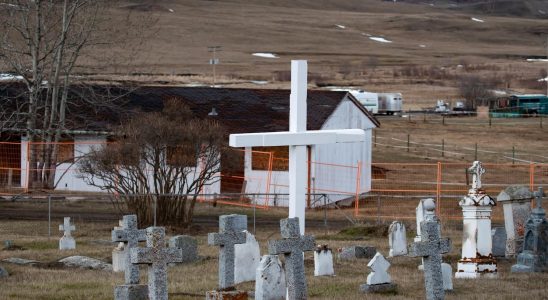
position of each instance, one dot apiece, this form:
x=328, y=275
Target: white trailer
x=390, y=103
x=369, y=100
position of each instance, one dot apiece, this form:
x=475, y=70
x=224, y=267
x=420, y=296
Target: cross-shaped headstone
x=157, y=256
x=231, y=229
x=129, y=234
x=477, y=170
x=379, y=267
x=66, y=227
x=292, y=246
x=430, y=248
x=538, y=195
x=297, y=138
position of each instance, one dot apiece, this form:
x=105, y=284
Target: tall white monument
x=297, y=138
x=477, y=259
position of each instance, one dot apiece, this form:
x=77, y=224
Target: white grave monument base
x=67, y=243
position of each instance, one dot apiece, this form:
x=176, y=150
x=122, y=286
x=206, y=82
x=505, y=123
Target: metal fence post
x=325, y=215
x=408, y=141
x=254, y=211
x=476, y=152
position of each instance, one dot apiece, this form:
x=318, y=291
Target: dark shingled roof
x=245, y=110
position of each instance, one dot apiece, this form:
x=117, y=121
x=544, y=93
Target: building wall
x=67, y=178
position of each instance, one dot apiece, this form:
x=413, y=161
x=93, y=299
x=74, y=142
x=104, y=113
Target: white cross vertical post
x=297, y=138
x=297, y=154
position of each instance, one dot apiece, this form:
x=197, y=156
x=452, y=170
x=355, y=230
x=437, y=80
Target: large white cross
x=297, y=138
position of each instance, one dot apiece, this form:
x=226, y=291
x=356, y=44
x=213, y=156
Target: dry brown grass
x=191, y=281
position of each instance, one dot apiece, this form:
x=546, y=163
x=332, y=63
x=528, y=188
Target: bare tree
x=167, y=157
x=44, y=44
x=475, y=90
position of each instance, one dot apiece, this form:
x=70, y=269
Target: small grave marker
x=67, y=242
x=378, y=280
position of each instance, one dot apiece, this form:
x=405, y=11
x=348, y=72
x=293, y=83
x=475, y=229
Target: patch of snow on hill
x=543, y=79
x=171, y=10
x=477, y=20
x=422, y=46
x=265, y=55
x=537, y=59
x=366, y=34
x=380, y=39
x=340, y=26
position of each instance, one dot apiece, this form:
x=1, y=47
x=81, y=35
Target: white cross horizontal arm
x=286, y=138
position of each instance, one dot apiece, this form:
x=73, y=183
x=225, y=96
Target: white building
x=334, y=168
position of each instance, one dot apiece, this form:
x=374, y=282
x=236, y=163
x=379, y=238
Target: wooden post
x=424, y=117
x=513, y=154
x=442, y=147
x=408, y=142
x=375, y=138
x=443, y=120
x=476, y=152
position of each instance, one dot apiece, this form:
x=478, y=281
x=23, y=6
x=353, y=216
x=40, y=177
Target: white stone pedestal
x=477, y=259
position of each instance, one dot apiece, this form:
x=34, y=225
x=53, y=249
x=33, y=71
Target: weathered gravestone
x=516, y=205
x=119, y=253
x=534, y=257
x=128, y=234
x=420, y=212
x=188, y=245
x=67, y=242
x=247, y=258
x=378, y=281
x=323, y=261
x=119, y=257
x=270, y=279
x=498, y=236
x=292, y=246
x=157, y=256
x=477, y=249
x=231, y=232
x=356, y=252
x=397, y=239
x=430, y=248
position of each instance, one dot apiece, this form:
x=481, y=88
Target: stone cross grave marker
x=430, y=248
x=128, y=233
x=297, y=138
x=292, y=246
x=231, y=232
x=477, y=170
x=67, y=242
x=157, y=256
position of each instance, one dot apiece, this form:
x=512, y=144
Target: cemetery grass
x=191, y=281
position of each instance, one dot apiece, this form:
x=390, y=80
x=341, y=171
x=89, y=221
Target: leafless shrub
x=163, y=157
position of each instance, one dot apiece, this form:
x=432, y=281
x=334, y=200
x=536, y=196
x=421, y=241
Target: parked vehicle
x=390, y=103
x=369, y=100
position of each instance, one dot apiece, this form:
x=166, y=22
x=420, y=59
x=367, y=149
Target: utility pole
x=214, y=61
